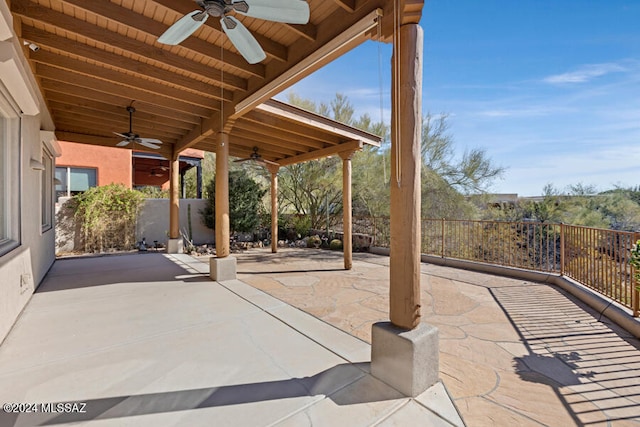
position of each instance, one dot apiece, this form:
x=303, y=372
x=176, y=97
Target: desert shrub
x=107, y=217
x=335, y=245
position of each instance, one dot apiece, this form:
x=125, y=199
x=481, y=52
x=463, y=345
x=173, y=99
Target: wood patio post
x=404, y=311
x=175, y=244
x=274, y=206
x=222, y=195
x=347, y=226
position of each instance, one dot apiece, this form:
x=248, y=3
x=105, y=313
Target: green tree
x=245, y=202
x=473, y=172
x=310, y=188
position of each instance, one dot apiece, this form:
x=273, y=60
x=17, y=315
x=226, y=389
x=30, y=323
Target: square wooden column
x=175, y=244
x=406, y=130
x=347, y=219
x=274, y=206
x=404, y=352
x=222, y=195
x=222, y=266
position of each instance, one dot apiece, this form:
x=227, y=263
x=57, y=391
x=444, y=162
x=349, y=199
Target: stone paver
x=512, y=352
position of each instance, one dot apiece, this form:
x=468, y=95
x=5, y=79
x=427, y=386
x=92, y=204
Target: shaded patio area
x=512, y=352
x=149, y=339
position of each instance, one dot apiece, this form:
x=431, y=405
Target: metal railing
x=596, y=258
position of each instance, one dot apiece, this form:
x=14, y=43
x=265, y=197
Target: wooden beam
x=319, y=154
x=286, y=132
x=316, y=121
x=265, y=149
x=337, y=39
x=64, y=90
x=98, y=109
x=84, y=81
x=74, y=66
x=285, y=138
x=29, y=10
x=117, y=124
x=348, y=5
x=48, y=41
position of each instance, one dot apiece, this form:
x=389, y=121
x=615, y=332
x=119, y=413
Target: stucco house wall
x=113, y=165
x=31, y=251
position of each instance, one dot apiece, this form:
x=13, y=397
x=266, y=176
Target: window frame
x=47, y=187
x=10, y=172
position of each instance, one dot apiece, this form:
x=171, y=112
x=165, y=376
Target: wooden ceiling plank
x=51, y=41
x=247, y=145
x=281, y=149
x=75, y=66
x=121, y=120
x=48, y=72
x=272, y=49
x=155, y=29
x=283, y=137
x=316, y=121
x=318, y=154
x=348, y=5
x=278, y=128
x=60, y=101
x=66, y=89
x=25, y=8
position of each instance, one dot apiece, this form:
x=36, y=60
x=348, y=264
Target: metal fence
x=596, y=258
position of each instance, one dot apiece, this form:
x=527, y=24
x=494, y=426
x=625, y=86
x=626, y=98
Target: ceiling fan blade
x=148, y=145
x=269, y=162
x=242, y=160
x=242, y=39
x=123, y=143
x=288, y=11
x=121, y=135
x=183, y=27
x=150, y=140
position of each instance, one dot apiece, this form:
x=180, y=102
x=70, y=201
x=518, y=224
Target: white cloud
x=585, y=73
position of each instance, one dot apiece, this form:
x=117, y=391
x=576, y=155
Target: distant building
x=83, y=166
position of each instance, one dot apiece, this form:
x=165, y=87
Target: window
x=9, y=173
x=47, y=190
x=72, y=181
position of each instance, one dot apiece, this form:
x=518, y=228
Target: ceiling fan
x=256, y=158
x=130, y=137
x=287, y=11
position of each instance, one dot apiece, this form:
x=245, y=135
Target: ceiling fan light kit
x=286, y=11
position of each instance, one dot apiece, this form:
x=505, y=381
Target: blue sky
x=549, y=88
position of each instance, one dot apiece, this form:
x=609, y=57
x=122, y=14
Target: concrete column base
x=175, y=246
x=406, y=360
x=222, y=268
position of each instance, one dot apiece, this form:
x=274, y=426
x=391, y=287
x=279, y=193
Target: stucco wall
x=113, y=164
x=23, y=268
x=153, y=224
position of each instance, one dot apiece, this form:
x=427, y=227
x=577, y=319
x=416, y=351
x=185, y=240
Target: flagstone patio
x=512, y=352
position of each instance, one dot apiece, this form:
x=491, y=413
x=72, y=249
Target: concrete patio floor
x=512, y=352
x=149, y=340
